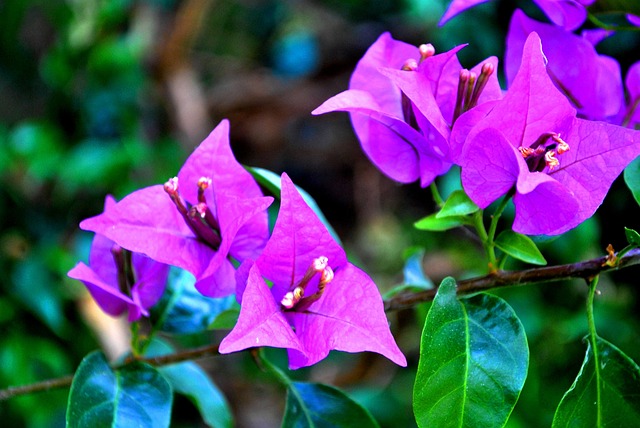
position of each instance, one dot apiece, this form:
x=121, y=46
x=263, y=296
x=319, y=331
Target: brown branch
x=499, y=279
x=586, y=269
x=163, y=360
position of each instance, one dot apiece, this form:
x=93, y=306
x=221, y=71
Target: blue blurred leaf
x=183, y=310
x=295, y=54
x=413, y=272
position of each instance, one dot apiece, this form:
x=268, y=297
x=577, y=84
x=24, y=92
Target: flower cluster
x=211, y=218
x=554, y=140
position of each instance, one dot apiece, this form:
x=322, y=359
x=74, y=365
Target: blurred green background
x=106, y=96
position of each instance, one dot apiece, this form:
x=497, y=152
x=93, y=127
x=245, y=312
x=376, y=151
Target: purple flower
x=458, y=6
x=633, y=19
x=559, y=167
x=402, y=100
x=121, y=281
x=317, y=302
x=592, y=82
x=568, y=14
x=211, y=211
x=630, y=114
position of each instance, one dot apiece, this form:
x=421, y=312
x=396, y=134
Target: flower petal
x=543, y=206
x=213, y=158
x=456, y=7
x=147, y=222
x=591, y=81
x=261, y=321
x=490, y=167
x=349, y=317
x=106, y=295
x=599, y=153
x=389, y=142
x=298, y=238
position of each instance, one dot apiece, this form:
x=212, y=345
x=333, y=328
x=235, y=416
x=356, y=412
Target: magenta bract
x=531, y=142
x=223, y=216
x=336, y=305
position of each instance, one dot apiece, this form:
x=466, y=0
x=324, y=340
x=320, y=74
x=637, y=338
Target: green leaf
x=183, y=310
x=93, y=163
x=632, y=178
x=606, y=392
x=520, y=247
x=190, y=380
x=134, y=395
x=457, y=204
x=435, y=224
x=633, y=237
x=473, y=361
x=318, y=405
x=40, y=145
x=34, y=285
x=225, y=320
x=271, y=181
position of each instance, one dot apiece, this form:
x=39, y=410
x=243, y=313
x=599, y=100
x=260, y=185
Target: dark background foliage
x=103, y=97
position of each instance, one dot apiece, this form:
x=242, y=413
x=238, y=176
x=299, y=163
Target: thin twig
x=499, y=279
x=585, y=270
x=163, y=360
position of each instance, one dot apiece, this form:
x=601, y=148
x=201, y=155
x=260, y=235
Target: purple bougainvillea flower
x=531, y=143
x=632, y=82
x=108, y=283
x=591, y=82
x=211, y=211
x=458, y=6
x=630, y=114
x=633, y=19
x=317, y=302
x=401, y=101
x=568, y=14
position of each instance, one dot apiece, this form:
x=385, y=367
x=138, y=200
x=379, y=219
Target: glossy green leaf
x=473, y=361
x=189, y=379
x=435, y=224
x=520, y=247
x=134, y=395
x=606, y=392
x=183, y=310
x=632, y=178
x=633, y=237
x=271, y=181
x=317, y=405
x=457, y=204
